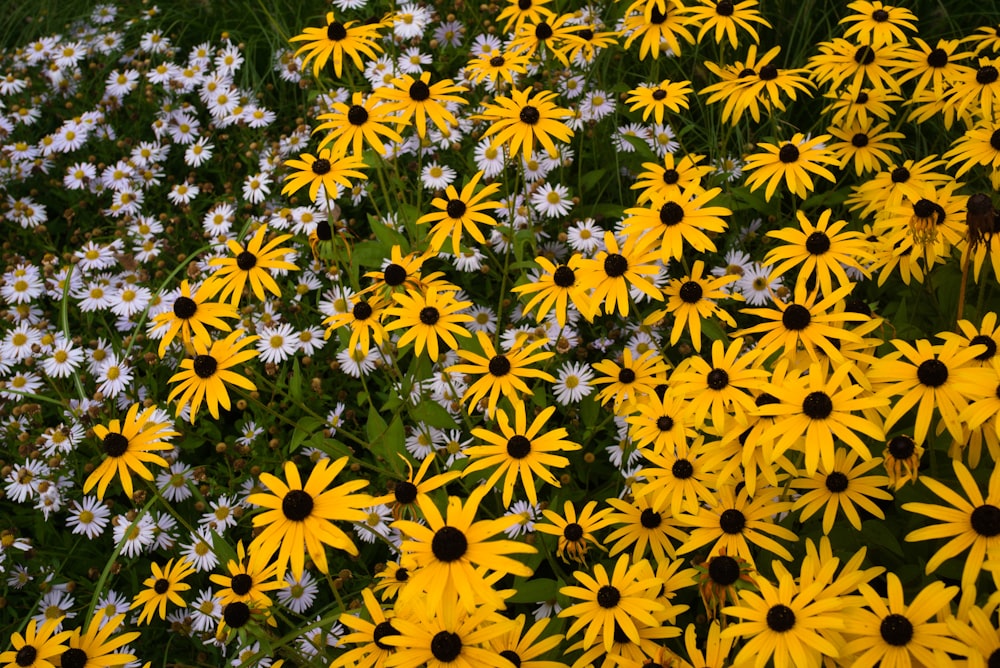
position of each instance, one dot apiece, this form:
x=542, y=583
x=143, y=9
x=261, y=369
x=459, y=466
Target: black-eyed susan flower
x=620, y=600
x=36, y=647
x=841, y=488
x=735, y=522
x=324, y=170
x=979, y=637
x=866, y=146
x=655, y=100
x=690, y=300
x=842, y=62
x=818, y=408
x=406, y=493
x=723, y=17
x=719, y=386
x=790, y=163
x=976, y=90
x=527, y=647
x=985, y=38
x=614, y=271
x=163, y=587
x=754, y=85
x=518, y=12
x=669, y=181
x=823, y=250
x=251, y=264
x=365, y=322
x=521, y=451
x=933, y=68
x=863, y=109
x=336, y=40
x=931, y=378
x=461, y=211
x=584, y=44
x=713, y=652
x=804, y=322
x=556, y=288
x=299, y=519
x=720, y=578
x=204, y=377
x=575, y=530
x=427, y=318
x=641, y=528
x=632, y=381
x=786, y=622
x=352, y=126
x=548, y=36
x=661, y=424
x=656, y=23
x=97, y=645
x=130, y=444
x=443, y=637
x=677, y=480
x=977, y=147
x=248, y=579
x=667, y=225
x=901, y=458
x=497, y=67
x=454, y=555
x=971, y=522
x=190, y=316
x=877, y=24
x=521, y=120
x=390, y=580
x=897, y=183
x=367, y=634
x=500, y=373
x=889, y=632
x=420, y=100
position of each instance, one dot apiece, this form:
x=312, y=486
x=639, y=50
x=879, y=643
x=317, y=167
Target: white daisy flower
x=375, y=524
x=573, y=383
x=199, y=550
x=113, y=376
x=437, y=177
x=277, y=343
x=299, y=595
x=134, y=539
x=552, y=201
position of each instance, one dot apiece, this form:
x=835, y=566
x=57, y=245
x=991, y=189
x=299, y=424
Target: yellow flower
x=522, y=119
x=352, y=125
x=428, y=317
x=500, y=373
x=326, y=170
x=250, y=264
x=204, y=376
x=461, y=211
x=129, y=447
x=792, y=162
x=336, y=40
x=162, y=587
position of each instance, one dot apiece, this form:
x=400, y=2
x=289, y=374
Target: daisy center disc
x=362, y=311
x=26, y=656
x=518, y=447
x=901, y=447
x=357, y=115
x=336, y=31
x=74, y=657
x=732, y=521
x=650, y=519
x=780, y=618
x=204, y=366
x=419, y=91
x=241, y=584
x=382, y=630
x=564, y=277
x=573, y=532
x=115, y=445
x=896, y=630
x=405, y=493
x=615, y=265
x=682, y=469
x=446, y=646
x=236, y=614
x=429, y=315
x=297, y=505
x=246, y=260
x=608, y=596
x=455, y=208
x=321, y=167
x=724, y=570
x=985, y=520
x=499, y=366
x=932, y=373
x=836, y=482
x=185, y=307
x=394, y=275
x=529, y=115
x=161, y=586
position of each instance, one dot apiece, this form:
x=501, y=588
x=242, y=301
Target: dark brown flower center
x=74, y=657
x=455, y=208
x=608, y=596
x=664, y=423
x=26, y=656
x=880, y=16
x=518, y=446
x=987, y=75
x=115, y=445
x=382, y=630
x=241, y=584
x=321, y=167
x=529, y=115
x=901, y=447
x=499, y=366
x=161, y=586
x=573, y=532
x=564, y=277
x=690, y=292
x=932, y=373
x=768, y=72
x=626, y=376
x=297, y=505
x=659, y=94
x=449, y=544
x=717, y=379
x=817, y=405
x=497, y=61
x=204, y=366
x=817, y=243
x=865, y=55
x=859, y=140
x=236, y=614
x=723, y=570
x=937, y=58
x=429, y=315
x=670, y=177
x=671, y=213
x=836, y=482
x=336, y=31
x=246, y=260
x=323, y=231
x=446, y=646
x=724, y=8
x=543, y=31
x=682, y=469
x=780, y=618
x=896, y=630
x=615, y=265
x=796, y=317
x=357, y=115
x=991, y=346
x=405, y=493
x=788, y=153
x=512, y=656
x=362, y=310
x=419, y=91
x=650, y=519
x=985, y=520
x=185, y=307
x=900, y=175
x=732, y=521
x=394, y=275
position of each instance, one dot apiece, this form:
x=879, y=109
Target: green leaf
x=589, y=411
x=536, y=590
x=304, y=429
x=295, y=383
x=386, y=440
x=386, y=235
x=434, y=414
x=874, y=533
x=591, y=179
x=369, y=254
